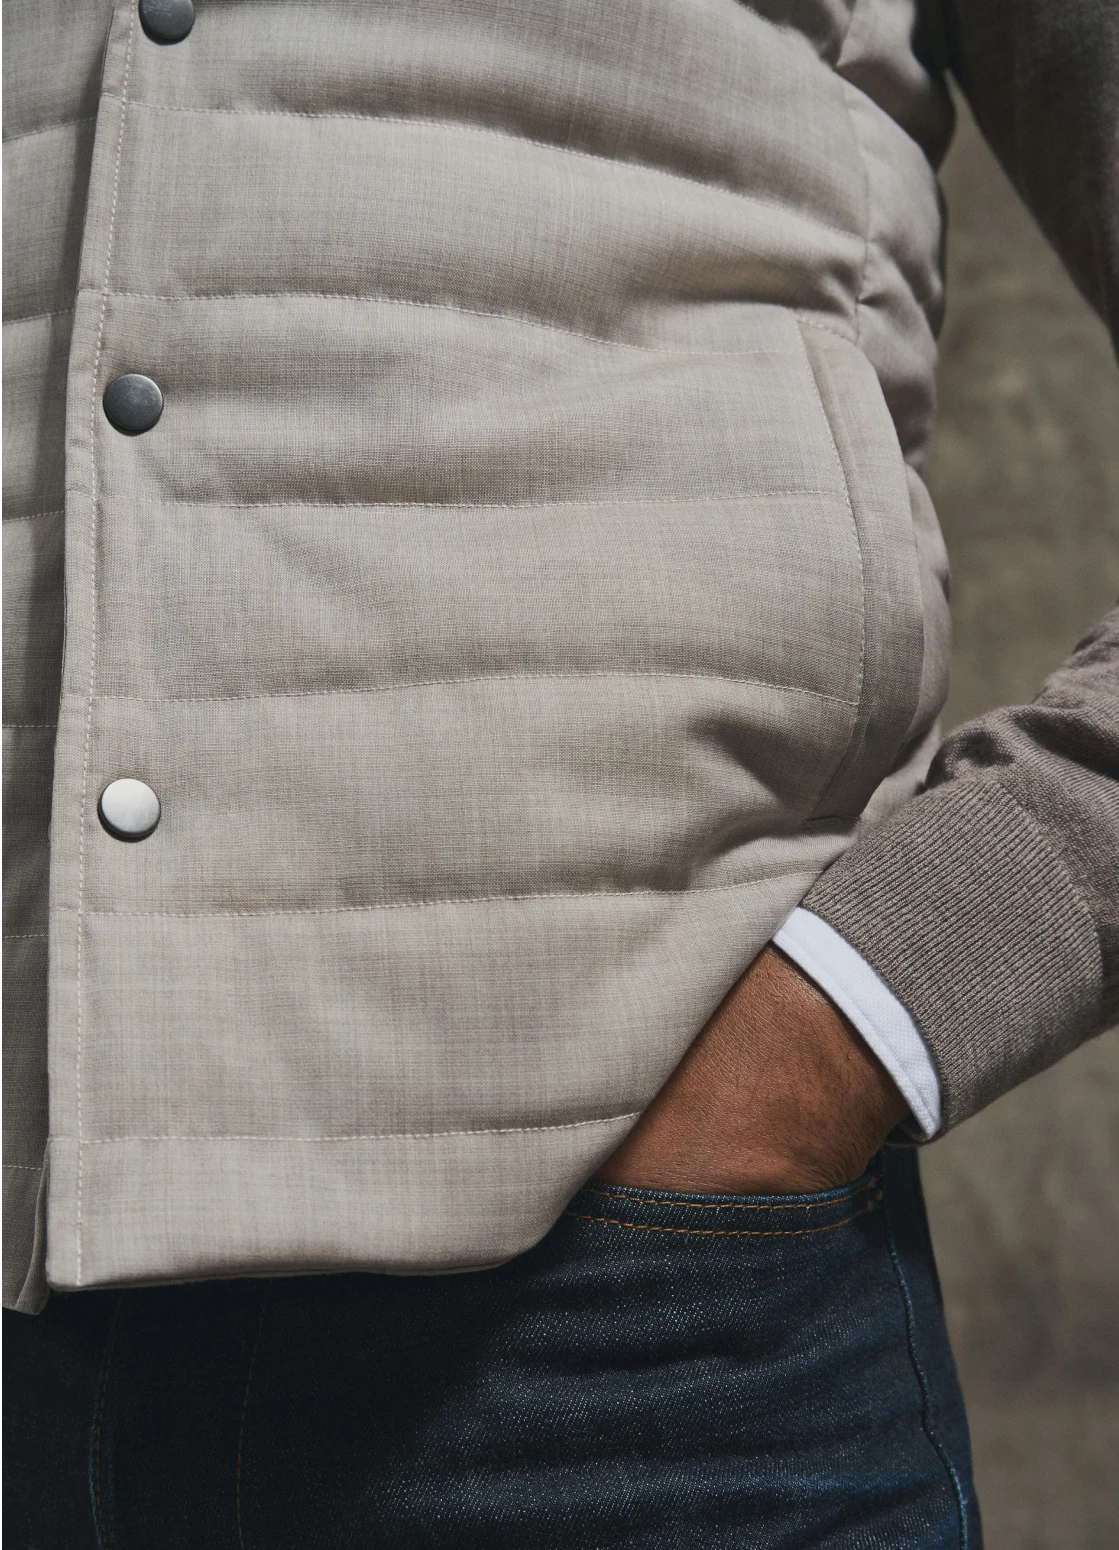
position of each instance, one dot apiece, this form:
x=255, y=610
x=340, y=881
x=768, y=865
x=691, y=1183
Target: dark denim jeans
x=663, y=1370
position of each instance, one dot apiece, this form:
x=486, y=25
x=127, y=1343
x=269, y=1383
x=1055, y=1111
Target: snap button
x=166, y=21
x=128, y=809
x=133, y=403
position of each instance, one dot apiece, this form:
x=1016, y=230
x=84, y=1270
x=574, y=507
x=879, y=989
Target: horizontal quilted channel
x=511, y=608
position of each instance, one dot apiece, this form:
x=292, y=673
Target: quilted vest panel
x=524, y=593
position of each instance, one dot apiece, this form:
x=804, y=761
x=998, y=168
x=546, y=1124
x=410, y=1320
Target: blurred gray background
x=1023, y=1198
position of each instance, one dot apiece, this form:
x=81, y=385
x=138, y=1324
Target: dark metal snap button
x=166, y=21
x=133, y=403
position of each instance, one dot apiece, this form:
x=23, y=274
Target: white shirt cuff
x=846, y=977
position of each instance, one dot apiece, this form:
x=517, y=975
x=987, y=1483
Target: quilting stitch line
x=574, y=676
x=421, y=904
x=377, y=299
x=372, y=1135
x=50, y=129
x=457, y=126
x=536, y=505
x=35, y=317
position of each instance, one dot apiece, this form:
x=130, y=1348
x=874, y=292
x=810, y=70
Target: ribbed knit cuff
x=961, y=906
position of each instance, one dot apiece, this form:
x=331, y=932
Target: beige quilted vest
x=525, y=589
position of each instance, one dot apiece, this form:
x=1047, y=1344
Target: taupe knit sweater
x=990, y=903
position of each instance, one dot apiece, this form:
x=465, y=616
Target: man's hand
x=778, y=1095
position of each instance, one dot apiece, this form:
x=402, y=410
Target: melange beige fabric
x=525, y=589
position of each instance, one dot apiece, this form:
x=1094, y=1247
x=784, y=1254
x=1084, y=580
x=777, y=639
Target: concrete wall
x=1024, y=1199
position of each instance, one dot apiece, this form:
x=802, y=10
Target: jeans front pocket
x=793, y=1342
x=699, y=1215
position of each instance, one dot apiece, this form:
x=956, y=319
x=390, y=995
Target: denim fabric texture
x=663, y=1370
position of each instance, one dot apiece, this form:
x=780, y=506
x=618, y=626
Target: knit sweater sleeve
x=989, y=904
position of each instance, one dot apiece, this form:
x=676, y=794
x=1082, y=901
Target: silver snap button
x=128, y=809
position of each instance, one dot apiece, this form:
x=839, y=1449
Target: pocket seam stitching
x=726, y=1232
x=792, y=1204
